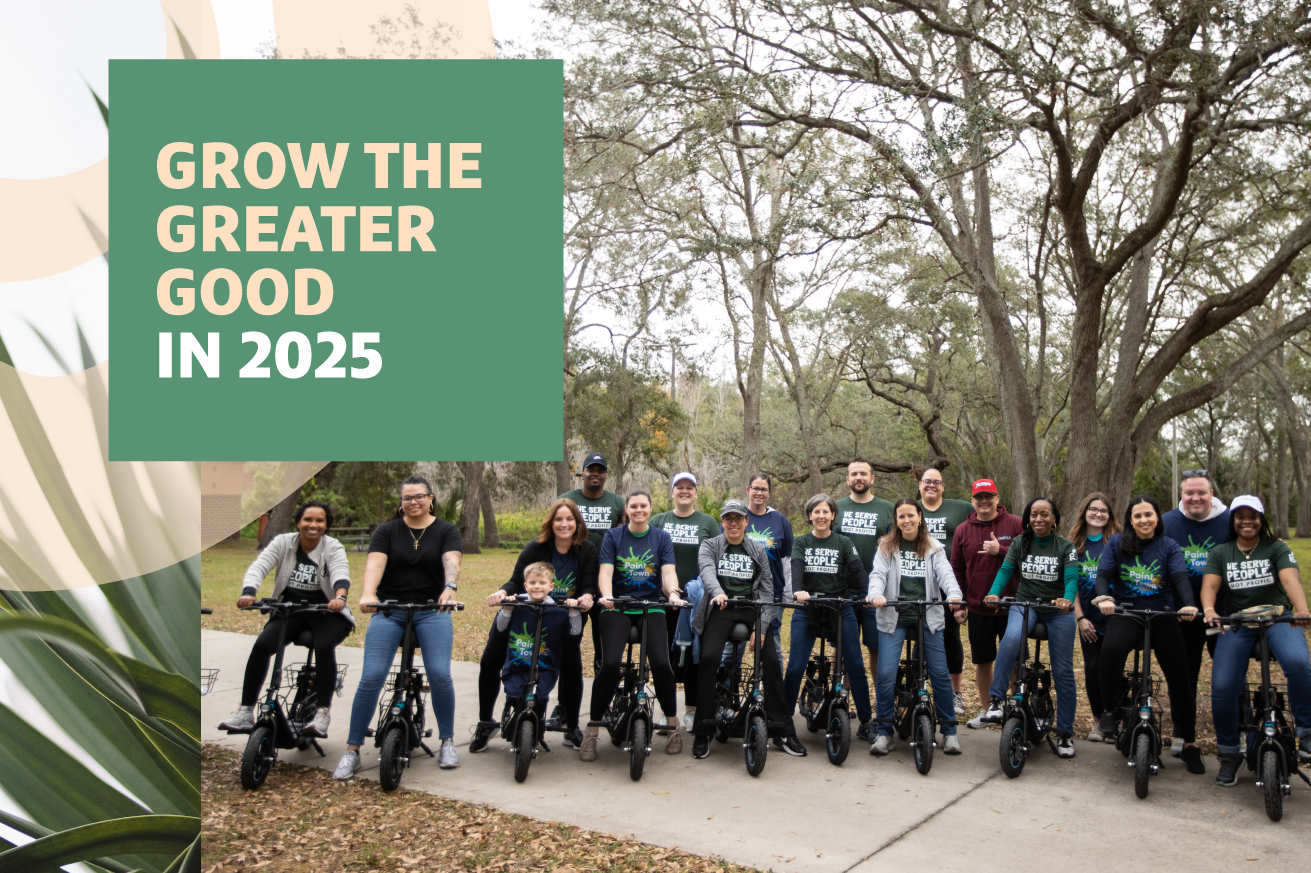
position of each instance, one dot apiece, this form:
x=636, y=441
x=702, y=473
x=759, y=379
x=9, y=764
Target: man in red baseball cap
x=977, y=552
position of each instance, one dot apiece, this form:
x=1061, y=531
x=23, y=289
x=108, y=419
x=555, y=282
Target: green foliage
x=361, y=493
x=519, y=527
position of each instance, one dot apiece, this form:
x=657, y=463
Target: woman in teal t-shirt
x=1049, y=571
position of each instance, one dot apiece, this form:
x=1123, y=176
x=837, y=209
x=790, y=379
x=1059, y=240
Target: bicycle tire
x=637, y=749
x=1272, y=785
x=808, y=704
x=1011, y=749
x=756, y=747
x=1142, y=763
x=391, y=758
x=258, y=758
x=523, y=750
x=837, y=737
x=923, y=745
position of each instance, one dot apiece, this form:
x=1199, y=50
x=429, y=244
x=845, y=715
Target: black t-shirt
x=414, y=572
x=303, y=584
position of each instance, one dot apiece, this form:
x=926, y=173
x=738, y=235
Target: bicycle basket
x=208, y=676
x=389, y=689
x=291, y=680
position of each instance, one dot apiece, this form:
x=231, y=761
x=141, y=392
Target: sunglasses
x=1192, y=474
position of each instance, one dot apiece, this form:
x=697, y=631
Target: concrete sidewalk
x=803, y=814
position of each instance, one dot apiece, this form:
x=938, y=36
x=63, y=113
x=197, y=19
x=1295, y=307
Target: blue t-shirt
x=519, y=653
x=637, y=560
x=566, y=576
x=1088, y=561
x=1196, y=539
x=1145, y=580
x=773, y=531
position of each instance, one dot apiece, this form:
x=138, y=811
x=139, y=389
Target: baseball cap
x=1249, y=501
x=733, y=507
x=984, y=486
x=595, y=460
x=678, y=477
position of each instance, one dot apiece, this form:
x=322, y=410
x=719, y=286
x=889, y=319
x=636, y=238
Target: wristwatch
x=451, y=586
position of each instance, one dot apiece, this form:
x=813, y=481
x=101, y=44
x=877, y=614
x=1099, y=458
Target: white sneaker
x=1176, y=747
x=950, y=745
x=1065, y=747
x=689, y=721
x=959, y=699
x=990, y=715
x=347, y=766
x=446, y=758
x=884, y=744
x=319, y=727
x=241, y=720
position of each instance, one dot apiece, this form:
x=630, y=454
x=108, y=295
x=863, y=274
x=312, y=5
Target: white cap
x=1248, y=500
x=678, y=477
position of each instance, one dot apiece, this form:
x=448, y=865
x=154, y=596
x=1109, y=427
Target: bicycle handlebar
x=268, y=604
x=1152, y=613
x=1287, y=618
x=518, y=600
x=645, y=604
x=385, y=606
x=205, y=610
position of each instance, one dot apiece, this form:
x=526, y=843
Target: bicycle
x=1028, y=715
x=1138, y=716
x=1271, y=750
x=739, y=692
x=913, y=706
x=283, y=716
x=400, y=722
x=824, y=699
x=628, y=718
x=521, y=724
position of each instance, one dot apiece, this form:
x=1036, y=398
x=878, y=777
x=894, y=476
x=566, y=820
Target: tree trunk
x=280, y=517
x=1298, y=438
x=1280, y=488
x=471, y=507
x=491, y=536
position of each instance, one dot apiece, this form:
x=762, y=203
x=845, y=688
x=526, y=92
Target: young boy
x=522, y=623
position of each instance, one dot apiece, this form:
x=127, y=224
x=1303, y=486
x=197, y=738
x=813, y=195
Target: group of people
x=594, y=546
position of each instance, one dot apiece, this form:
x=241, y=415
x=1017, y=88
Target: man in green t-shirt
x=863, y=518
x=601, y=509
x=688, y=527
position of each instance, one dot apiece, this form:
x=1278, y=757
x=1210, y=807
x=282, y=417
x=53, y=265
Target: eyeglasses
x=733, y=519
x=1092, y=510
x=936, y=483
x=755, y=490
x=1191, y=474
x=415, y=498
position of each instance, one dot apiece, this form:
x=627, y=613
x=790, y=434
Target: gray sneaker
x=958, y=699
x=884, y=744
x=950, y=745
x=689, y=721
x=241, y=720
x=319, y=726
x=347, y=766
x=990, y=715
x=1065, y=747
x=1176, y=747
x=446, y=758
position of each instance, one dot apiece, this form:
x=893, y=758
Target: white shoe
x=950, y=745
x=1065, y=747
x=241, y=720
x=689, y=721
x=959, y=699
x=884, y=744
x=1177, y=747
x=446, y=758
x=347, y=766
x=319, y=726
x=990, y=715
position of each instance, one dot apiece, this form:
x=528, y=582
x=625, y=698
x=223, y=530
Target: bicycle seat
x=740, y=633
x=1039, y=631
x=305, y=639
x=635, y=634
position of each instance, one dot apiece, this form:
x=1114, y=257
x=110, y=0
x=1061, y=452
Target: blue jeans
x=1061, y=630
x=868, y=618
x=434, y=633
x=935, y=660
x=803, y=642
x=1229, y=671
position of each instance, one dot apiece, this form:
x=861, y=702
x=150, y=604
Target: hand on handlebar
x=496, y=597
x=675, y=600
x=1107, y=606
x=369, y=603
x=607, y=602
x=720, y=600
x=991, y=599
x=800, y=596
x=245, y=601
x=878, y=601
x=1188, y=613
x=1301, y=619
x=447, y=597
x=336, y=604
x=585, y=602
x=1062, y=604
x=1213, y=619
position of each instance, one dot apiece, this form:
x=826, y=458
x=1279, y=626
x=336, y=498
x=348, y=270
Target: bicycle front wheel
x=391, y=760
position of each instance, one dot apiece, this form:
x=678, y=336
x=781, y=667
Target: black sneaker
x=862, y=733
x=1304, y=750
x=1229, y=766
x=573, y=739
x=556, y=719
x=701, y=747
x=1192, y=758
x=482, y=732
x=791, y=745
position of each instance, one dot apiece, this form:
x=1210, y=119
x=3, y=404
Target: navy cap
x=595, y=460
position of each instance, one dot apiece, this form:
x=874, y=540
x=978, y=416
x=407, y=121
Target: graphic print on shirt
x=820, y=560
x=563, y=589
x=521, y=647
x=683, y=534
x=937, y=527
x=735, y=566
x=1195, y=555
x=638, y=568
x=1088, y=573
x=302, y=577
x=1253, y=573
x=911, y=565
x=1140, y=580
x=765, y=537
x=859, y=523
x=1040, y=568
x=596, y=517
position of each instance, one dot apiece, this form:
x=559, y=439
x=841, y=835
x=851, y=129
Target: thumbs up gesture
x=991, y=546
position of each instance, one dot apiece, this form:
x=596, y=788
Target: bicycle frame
x=526, y=705
x=272, y=711
x=751, y=700
x=407, y=702
x=832, y=683
x=923, y=702
x=1149, y=716
x=1033, y=680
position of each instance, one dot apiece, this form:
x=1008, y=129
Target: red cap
x=984, y=486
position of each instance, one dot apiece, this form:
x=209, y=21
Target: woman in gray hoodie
x=911, y=565
x=309, y=567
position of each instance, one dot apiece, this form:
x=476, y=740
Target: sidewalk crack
x=946, y=806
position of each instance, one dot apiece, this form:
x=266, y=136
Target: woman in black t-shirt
x=413, y=558
x=309, y=567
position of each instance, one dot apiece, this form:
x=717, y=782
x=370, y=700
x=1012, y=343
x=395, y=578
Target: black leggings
x=613, y=629
x=1123, y=635
x=328, y=630
x=570, y=684
x=1195, y=639
x=951, y=642
x=1092, y=683
x=719, y=624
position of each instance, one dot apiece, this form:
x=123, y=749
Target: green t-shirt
x=826, y=563
x=688, y=534
x=944, y=520
x=737, y=571
x=600, y=514
x=913, y=569
x=1042, y=572
x=1253, y=580
x=863, y=524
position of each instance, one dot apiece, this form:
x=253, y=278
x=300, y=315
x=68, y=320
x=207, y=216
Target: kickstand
x=544, y=745
x=1299, y=772
x=424, y=746
x=318, y=748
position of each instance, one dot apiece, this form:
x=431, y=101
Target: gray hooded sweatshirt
x=707, y=561
x=329, y=556
x=939, y=584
